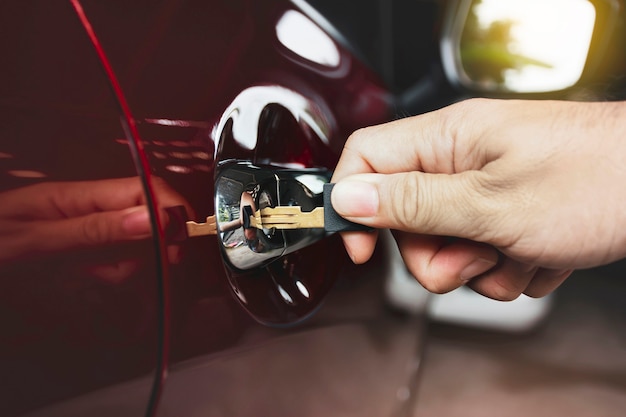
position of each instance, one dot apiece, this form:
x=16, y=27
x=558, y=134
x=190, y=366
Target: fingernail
x=355, y=199
x=351, y=256
x=477, y=267
x=136, y=222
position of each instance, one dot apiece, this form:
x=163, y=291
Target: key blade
x=289, y=217
x=202, y=229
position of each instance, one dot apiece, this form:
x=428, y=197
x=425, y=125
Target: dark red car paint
x=100, y=90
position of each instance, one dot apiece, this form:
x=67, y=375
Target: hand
x=530, y=190
x=60, y=216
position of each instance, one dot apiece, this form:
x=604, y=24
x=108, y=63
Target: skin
x=505, y=196
x=54, y=217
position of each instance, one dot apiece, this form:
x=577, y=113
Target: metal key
x=284, y=218
x=209, y=227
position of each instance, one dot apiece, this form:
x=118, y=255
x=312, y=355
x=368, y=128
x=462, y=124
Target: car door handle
x=247, y=196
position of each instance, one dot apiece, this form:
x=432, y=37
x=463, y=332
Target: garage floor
x=574, y=365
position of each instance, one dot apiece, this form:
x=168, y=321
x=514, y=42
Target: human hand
x=530, y=190
x=59, y=216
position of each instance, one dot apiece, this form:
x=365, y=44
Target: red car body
x=121, y=93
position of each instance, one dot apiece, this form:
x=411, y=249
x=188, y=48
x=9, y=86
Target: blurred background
x=570, y=358
x=572, y=364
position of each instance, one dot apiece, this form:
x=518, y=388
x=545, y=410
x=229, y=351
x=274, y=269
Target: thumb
x=417, y=202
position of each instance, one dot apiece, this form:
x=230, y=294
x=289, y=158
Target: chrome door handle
x=241, y=187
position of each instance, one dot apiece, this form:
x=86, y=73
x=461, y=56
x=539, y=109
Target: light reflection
x=203, y=168
x=529, y=45
x=179, y=123
x=4, y=155
x=25, y=173
x=238, y=293
x=303, y=37
x=179, y=169
x=285, y=295
x=242, y=186
x=179, y=143
x=181, y=155
x=201, y=155
x=303, y=290
x=315, y=183
x=245, y=113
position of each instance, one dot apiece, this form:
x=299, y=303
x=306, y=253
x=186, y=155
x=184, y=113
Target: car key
x=280, y=217
x=292, y=217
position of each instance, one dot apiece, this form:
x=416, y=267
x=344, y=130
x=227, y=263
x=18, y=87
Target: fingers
x=94, y=229
x=27, y=238
x=455, y=172
x=448, y=140
x=166, y=196
x=58, y=216
x=78, y=198
x=510, y=279
x=107, y=227
x=388, y=148
x=442, y=265
x=424, y=143
x=546, y=281
x=360, y=246
x=505, y=282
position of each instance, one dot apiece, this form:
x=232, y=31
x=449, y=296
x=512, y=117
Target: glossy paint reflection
x=265, y=268
x=278, y=126
x=180, y=79
x=353, y=358
x=79, y=305
x=303, y=37
x=48, y=218
x=245, y=113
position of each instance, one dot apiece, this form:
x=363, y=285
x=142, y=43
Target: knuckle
x=94, y=232
x=476, y=105
x=506, y=296
x=435, y=285
x=536, y=293
x=456, y=114
x=404, y=197
x=357, y=136
x=414, y=203
x=432, y=281
x=505, y=290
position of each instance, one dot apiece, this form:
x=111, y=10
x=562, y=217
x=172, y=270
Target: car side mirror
x=520, y=46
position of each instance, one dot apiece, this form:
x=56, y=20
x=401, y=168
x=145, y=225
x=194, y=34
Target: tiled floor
x=574, y=365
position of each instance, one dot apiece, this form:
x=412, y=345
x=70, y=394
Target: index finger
x=392, y=147
x=445, y=141
x=427, y=143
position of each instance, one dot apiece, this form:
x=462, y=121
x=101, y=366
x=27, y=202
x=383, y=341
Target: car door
x=160, y=97
x=77, y=316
